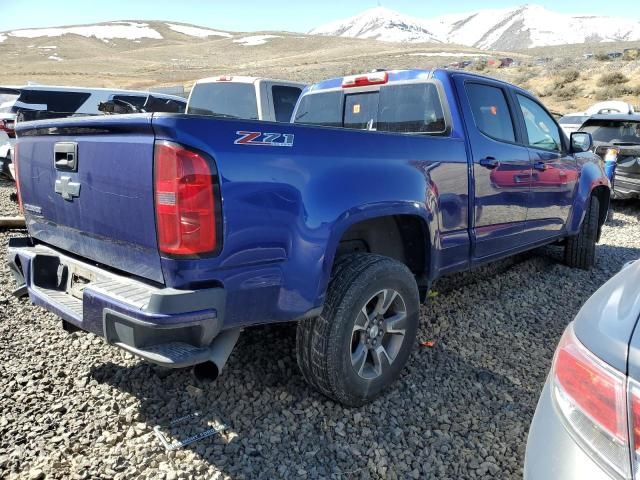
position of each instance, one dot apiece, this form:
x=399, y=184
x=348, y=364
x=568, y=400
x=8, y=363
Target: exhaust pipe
x=220, y=350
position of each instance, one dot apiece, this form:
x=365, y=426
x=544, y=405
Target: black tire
x=325, y=345
x=580, y=250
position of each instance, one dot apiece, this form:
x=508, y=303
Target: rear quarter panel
x=286, y=208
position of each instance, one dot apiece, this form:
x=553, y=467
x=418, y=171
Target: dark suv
x=623, y=133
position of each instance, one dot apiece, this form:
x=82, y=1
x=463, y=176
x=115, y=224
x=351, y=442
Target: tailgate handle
x=65, y=156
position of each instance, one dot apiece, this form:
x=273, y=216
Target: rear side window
x=59, y=102
x=411, y=109
x=321, y=109
x=284, y=101
x=490, y=111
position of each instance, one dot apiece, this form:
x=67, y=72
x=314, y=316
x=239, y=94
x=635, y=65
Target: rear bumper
x=173, y=328
x=626, y=186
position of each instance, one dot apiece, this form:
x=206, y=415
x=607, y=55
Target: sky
x=253, y=15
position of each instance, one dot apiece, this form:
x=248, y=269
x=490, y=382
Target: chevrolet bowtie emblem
x=67, y=188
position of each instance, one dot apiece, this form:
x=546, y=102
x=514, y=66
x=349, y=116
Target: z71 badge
x=265, y=139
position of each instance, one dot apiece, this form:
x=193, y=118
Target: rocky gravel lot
x=72, y=407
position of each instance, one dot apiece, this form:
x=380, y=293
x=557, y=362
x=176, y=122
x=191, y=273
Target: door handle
x=489, y=162
x=540, y=166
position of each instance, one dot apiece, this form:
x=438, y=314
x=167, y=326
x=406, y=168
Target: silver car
x=587, y=423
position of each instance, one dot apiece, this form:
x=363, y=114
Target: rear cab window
x=227, y=99
x=408, y=107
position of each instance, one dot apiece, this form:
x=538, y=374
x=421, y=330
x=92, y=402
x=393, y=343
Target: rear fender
x=592, y=176
x=368, y=212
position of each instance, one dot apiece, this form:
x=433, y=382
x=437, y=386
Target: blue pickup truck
x=169, y=233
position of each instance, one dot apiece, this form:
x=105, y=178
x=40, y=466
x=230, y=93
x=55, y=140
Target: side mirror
x=581, y=142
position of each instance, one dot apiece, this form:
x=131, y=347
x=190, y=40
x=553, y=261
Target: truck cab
x=248, y=98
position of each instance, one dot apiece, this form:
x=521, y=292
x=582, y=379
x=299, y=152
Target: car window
x=224, y=98
x=612, y=131
x=491, y=111
x=411, y=109
x=55, y=101
x=321, y=109
x=361, y=111
x=542, y=131
x=135, y=100
x=284, y=101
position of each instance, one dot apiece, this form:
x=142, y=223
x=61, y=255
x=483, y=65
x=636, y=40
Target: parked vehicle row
x=167, y=234
x=33, y=102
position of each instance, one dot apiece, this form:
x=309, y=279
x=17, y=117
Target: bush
x=602, y=57
x=571, y=76
x=568, y=91
x=616, y=91
x=613, y=78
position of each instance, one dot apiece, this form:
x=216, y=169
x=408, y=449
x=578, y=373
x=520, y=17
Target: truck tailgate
x=87, y=188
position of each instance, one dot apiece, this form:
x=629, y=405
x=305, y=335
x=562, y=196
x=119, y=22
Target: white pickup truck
x=248, y=98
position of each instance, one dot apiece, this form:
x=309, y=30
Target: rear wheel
x=360, y=343
x=580, y=250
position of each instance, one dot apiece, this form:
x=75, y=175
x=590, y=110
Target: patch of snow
x=56, y=58
x=126, y=30
x=2, y=38
x=255, y=40
x=197, y=31
x=50, y=47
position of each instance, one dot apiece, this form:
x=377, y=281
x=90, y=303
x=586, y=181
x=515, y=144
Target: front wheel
x=360, y=343
x=580, y=250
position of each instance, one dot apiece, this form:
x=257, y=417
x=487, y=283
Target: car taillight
x=591, y=396
x=375, y=78
x=634, y=407
x=8, y=126
x=17, y=174
x=185, y=201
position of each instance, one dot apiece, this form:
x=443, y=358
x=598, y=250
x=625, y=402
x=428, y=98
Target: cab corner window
x=490, y=111
x=542, y=131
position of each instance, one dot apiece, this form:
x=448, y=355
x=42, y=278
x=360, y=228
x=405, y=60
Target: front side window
x=284, y=101
x=491, y=111
x=542, y=131
x=236, y=100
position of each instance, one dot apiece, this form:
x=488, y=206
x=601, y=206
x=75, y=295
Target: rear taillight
x=185, y=200
x=15, y=162
x=634, y=407
x=591, y=396
x=8, y=126
x=375, y=78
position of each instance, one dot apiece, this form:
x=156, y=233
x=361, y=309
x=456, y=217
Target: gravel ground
x=72, y=407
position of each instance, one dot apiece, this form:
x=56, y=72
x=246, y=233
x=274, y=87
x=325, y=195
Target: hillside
x=135, y=54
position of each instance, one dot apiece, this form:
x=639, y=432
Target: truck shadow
x=463, y=404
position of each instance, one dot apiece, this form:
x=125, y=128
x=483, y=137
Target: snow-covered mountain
x=496, y=29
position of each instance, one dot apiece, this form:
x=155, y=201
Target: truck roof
x=394, y=76
x=68, y=88
x=244, y=79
